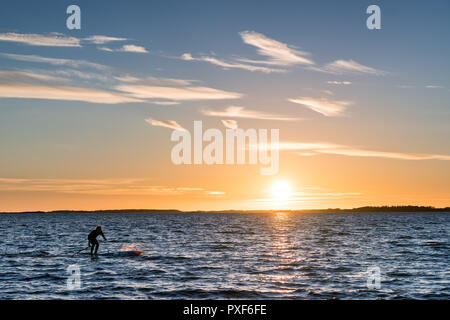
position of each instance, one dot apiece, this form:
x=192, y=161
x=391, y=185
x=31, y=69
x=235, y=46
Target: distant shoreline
x=403, y=209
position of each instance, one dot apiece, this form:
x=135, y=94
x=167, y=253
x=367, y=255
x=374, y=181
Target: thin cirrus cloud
x=326, y=107
x=156, y=81
x=230, y=124
x=348, y=66
x=230, y=65
x=24, y=76
x=313, y=148
x=171, y=124
x=22, y=84
x=126, y=48
x=99, y=39
x=73, y=63
x=64, y=93
x=99, y=187
x=241, y=112
x=47, y=40
x=177, y=93
x=339, y=82
x=308, y=196
x=165, y=103
x=60, y=40
x=381, y=154
x=278, y=55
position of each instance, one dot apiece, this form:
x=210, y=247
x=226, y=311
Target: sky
x=86, y=116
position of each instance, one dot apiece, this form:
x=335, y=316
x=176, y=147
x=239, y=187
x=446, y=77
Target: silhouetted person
x=92, y=239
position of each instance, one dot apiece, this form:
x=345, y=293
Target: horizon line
x=404, y=208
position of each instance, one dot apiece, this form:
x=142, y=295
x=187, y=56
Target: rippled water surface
x=221, y=256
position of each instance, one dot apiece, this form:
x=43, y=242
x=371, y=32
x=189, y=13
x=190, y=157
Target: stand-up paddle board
x=130, y=253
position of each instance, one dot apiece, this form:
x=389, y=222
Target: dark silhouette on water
x=92, y=239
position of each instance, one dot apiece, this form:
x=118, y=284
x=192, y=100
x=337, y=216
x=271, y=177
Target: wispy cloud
x=112, y=187
x=380, y=154
x=278, y=56
x=339, y=82
x=230, y=124
x=278, y=53
x=171, y=124
x=48, y=40
x=300, y=196
x=433, y=87
x=156, y=81
x=177, y=94
x=60, y=40
x=67, y=93
x=327, y=107
x=348, y=66
x=55, y=61
x=133, y=48
x=165, y=91
x=312, y=146
x=126, y=48
x=241, y=112
x=23, y=76
x=165, y=103
x=331, y=148
x=99, y=39
x=230, y=65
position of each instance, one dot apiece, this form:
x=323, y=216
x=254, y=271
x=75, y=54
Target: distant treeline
x=329, y=210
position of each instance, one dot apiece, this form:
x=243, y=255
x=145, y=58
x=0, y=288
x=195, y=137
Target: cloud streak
x=171, y=124
x=49, y=40
x=339, y=82
x=24, y=76
x=126, y=48
x=55, y=61
x=279, y=56
x=326, y=107
x=380, y=154
x=230, y=65
x=156, y=81
x=177, y=94
x=67, y=93
x=279, y=53
x=343, y=150
x=241, y=112
x=106, y=187
x=348, y=66
x=99, y=39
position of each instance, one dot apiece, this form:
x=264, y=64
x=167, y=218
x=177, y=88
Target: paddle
x=79, y=251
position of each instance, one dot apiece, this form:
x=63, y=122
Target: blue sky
x=386, y=91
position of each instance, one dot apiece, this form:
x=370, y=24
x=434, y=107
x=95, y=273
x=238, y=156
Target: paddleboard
x=130, y=253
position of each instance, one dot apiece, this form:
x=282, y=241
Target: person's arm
x=103, y=236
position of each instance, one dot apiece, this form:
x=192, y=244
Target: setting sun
x=281, y=190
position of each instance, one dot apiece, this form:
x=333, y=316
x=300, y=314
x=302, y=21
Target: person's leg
x=92, y=248
x=96, y=247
